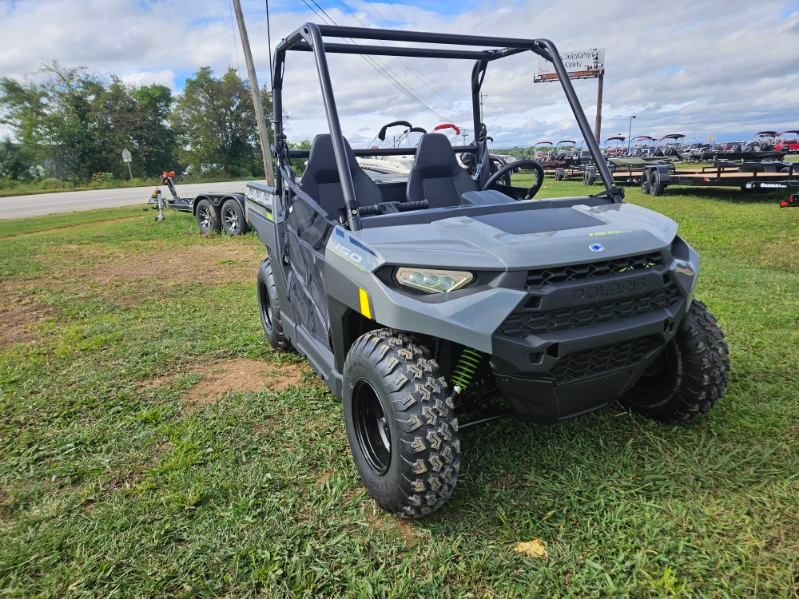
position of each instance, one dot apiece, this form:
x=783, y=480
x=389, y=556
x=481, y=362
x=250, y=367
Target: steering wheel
x=509, y=168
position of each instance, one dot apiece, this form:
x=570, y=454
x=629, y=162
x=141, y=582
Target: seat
x=322, y=182
x=436, y=175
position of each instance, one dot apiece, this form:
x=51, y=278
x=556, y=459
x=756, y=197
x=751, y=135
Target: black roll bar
x=309, y=38
x=313, y=36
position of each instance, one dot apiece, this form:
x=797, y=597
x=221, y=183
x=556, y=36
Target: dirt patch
x=394, y=526
x=19, y=315
x=213, y=264
x=241, y=375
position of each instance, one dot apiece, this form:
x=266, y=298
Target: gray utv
x=424, y=299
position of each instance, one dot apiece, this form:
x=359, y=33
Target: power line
x=269, y=41
x=370, y=60
x=404, y=63
x=233, y=30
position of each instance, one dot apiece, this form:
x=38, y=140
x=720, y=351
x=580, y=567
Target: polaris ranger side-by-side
x=412, y=297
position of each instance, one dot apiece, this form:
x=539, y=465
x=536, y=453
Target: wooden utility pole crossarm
x=263, y=132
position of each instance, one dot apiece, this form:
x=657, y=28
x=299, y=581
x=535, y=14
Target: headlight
x=431, y=280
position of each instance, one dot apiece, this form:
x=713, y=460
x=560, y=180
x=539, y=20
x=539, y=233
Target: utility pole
x=263, y=133
x=598, y=124
x=630, y=134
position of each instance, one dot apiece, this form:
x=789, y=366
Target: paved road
x=72, y=201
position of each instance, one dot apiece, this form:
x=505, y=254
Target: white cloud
x=701, y=67
x=136, y=78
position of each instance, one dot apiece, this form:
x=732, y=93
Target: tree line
x=72, y=125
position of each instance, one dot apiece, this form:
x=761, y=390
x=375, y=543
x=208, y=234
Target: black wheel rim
x=230, y=219
x=371, y=427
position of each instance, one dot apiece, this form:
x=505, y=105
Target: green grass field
x=152, y=444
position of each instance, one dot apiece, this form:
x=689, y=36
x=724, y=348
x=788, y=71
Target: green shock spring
x=464, y=371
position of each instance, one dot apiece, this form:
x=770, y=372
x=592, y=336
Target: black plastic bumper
x=556, y=396
x=577, y=343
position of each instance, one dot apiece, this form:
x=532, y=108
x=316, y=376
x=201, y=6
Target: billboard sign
x=580, y=64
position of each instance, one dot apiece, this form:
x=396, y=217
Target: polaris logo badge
x=596, y=247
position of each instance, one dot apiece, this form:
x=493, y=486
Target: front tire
x=269, y=308
x=400, y=423
x=689, y=377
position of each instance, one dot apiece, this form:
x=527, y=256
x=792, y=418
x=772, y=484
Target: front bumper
x=584, y=334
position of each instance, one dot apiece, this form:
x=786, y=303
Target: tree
x=75, y=124
x=136, y=119
x=24, y=108
x=155, y=142
x=13, y=162
x=216, y=126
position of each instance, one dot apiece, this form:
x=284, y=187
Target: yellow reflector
x=364, y=299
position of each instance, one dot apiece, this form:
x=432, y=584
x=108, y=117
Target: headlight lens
x=431, y=280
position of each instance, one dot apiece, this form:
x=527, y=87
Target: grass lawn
x=151, y=443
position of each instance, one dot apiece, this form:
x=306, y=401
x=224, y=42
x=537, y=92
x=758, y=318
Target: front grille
x=530, y=322
x=576, y=272
x=603, y=360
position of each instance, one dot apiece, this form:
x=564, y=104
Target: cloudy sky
x=723, y=69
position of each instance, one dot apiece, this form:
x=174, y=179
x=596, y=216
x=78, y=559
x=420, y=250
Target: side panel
x=259, y=211
x=264, y=211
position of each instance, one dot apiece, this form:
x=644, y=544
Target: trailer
x=213, y=212
x=746, y=176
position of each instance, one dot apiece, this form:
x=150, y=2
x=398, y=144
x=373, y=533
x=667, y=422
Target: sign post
x=126, y=158
x=580, y=64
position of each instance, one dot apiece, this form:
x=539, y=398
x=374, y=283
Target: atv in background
x=213, y=211
x=422, y=302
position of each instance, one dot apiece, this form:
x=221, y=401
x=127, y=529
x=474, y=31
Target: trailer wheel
x=233, y=221
x=656, y=185
x=690, y=375
x=400, y=424
x=269, y=308
x=645, y=187
x=207, y=217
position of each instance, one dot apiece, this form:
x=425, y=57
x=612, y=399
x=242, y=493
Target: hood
x=526, y=239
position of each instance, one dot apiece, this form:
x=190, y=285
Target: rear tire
x=207, y=217
x=269, y=308
x=400, y=424
x=233, y=221
x=689, y=377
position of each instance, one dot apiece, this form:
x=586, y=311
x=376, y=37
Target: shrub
x=101, y=178
x=50, y=183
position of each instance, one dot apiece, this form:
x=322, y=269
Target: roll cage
x=311, y=37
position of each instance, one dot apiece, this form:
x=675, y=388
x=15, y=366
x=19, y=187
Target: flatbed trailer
x=655, y=179
x=213, y=211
